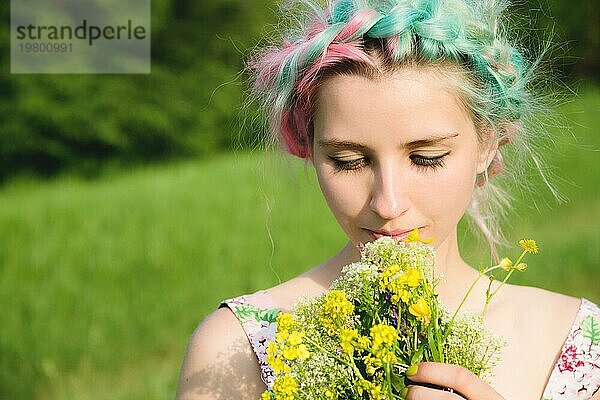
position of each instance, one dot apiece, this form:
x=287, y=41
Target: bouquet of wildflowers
x=379, y=318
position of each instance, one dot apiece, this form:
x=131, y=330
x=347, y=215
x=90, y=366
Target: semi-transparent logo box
x=80, y=36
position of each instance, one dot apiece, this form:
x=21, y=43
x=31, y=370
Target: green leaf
x=269, y=315
x=397, y=383
x=591, y=329
x=433, y=345
x=418, y=356
x=247, y=312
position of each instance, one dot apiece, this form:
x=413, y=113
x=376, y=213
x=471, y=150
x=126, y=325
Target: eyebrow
x=345, y=144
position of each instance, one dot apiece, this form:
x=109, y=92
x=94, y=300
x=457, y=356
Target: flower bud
x=506, y=264
x=521, y=266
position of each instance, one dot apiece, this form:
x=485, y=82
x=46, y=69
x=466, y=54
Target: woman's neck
x=458, y=277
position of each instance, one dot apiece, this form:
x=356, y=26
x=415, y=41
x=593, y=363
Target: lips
x=396, y=234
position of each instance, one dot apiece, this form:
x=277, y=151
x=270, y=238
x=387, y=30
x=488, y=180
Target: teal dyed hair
x=462, y=40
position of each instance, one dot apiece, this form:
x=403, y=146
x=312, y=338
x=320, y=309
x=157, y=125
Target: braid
x=436, y=32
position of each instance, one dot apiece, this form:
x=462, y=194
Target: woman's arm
x=219, y=362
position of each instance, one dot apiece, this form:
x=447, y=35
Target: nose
x=389, y=197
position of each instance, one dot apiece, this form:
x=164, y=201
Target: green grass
x=102, y=282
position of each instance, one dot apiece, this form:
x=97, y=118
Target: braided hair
x=463, y=39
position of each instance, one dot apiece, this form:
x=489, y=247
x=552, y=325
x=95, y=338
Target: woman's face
x=395, y=154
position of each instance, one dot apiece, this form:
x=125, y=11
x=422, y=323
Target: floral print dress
x=575, y=376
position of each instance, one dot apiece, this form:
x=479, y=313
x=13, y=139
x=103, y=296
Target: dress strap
x=576, y=374
x=257, y=313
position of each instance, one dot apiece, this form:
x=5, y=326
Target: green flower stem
x=388, y=378
x=489, y=297
x=481, y=273
x=520, y=257
x=318, y=346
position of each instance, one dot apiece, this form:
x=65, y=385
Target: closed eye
x=425, y=163
x=348, y=165
x=422, y=163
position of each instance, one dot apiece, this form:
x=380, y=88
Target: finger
x=424, y=393
x=469, y=385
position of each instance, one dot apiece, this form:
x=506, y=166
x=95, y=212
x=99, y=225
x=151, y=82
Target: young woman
x=403, y=108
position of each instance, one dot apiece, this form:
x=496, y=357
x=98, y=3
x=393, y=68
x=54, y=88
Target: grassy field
x=102, y=282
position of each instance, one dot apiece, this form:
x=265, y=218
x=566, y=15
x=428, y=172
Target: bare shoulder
x=543, y=307
x=544, y=316
x=219, y=362
x=552, y=306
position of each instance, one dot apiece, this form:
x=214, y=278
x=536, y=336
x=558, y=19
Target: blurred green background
x=131, y=205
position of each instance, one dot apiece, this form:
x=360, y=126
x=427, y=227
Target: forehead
x=409, y=102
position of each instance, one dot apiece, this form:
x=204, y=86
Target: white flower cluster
x=322, y=373
x=471, y=343
x=355, y=278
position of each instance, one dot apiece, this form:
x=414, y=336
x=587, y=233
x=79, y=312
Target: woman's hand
x=464, y=383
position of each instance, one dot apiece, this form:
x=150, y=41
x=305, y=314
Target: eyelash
x=423, y=164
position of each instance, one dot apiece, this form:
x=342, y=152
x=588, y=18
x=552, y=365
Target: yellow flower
x=397, y=286
x=373, y=389
x=337, y=305
x=346, y=338
x=285, y=387
x=295, y=338
x=386, y=274
x=375, y=392
x=329, y=394
x=290, y=352
x=265, y=395
x=271, y=349
x=529, y=245
x=371, y=364
x=383, y=335
x=391, y=270
x=413, y=276
x=303, y=352
x=506, y=264
x=281, y=337
x=403, y=295
x=414, y=236
x=336, y=308
x=421, y=310
x=364, y=341
x=275, y=360
x=285, y=322
x=385, y=355
x=277, y=364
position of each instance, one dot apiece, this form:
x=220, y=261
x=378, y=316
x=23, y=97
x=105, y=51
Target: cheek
x=342, y=193
x=447, y=192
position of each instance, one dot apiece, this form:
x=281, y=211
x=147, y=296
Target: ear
x=487, y=150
